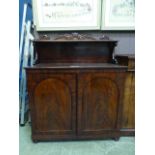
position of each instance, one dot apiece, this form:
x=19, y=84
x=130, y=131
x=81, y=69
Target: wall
x=126, y=40
x=126, y=44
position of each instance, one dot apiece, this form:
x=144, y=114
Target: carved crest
x=74, y=36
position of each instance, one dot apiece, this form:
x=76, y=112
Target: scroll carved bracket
x=104, y=37
x=44, y=37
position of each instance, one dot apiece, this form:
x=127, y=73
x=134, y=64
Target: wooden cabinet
x=78, y=95
x=74, y=104
x=128, y=113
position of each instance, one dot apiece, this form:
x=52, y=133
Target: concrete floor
x=125, y=146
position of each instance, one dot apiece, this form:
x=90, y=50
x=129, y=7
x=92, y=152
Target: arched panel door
x=99, y=96
x=54, y=107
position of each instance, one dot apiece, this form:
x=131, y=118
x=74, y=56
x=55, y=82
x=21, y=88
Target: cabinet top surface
x=76, y=66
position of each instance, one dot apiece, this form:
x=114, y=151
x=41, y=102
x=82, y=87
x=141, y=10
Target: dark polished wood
x=75, y=93
x=100, y=96
x=83, y=51
x=75, y=103
x=128, y=119
x=53, y=103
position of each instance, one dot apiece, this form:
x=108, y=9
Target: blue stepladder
x=25, y=59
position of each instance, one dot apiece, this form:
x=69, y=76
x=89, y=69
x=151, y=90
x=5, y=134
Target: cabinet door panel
x=99, y=98
x=52, y=102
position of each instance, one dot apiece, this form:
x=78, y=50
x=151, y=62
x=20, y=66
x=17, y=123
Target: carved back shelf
x=74, y=48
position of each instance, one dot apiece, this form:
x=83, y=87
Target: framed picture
x=67, y=14
x=118, y=15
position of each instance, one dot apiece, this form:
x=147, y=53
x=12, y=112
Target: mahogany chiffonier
x=75, y=91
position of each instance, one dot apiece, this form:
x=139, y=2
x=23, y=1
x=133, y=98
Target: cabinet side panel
x=129, y=102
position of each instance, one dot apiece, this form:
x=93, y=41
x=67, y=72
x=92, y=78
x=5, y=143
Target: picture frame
x=59, y=15
x=118, y=15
